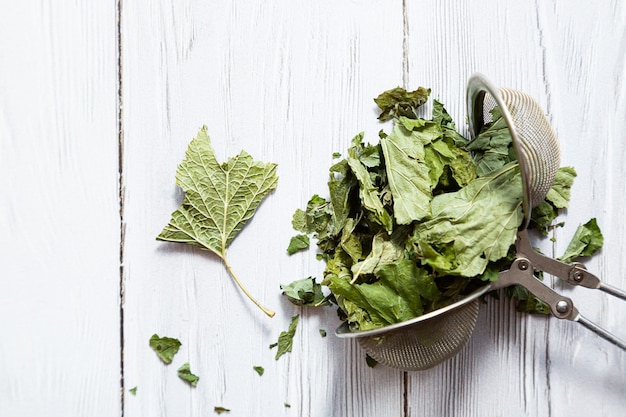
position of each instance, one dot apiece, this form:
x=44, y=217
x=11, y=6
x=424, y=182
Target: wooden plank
x=59, y=247
x=289, y=82
x=561, y=55
x=502, y=367
x=585, y=70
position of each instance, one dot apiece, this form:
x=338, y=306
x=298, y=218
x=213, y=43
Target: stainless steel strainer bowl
x=428, y=340
x=424, y=341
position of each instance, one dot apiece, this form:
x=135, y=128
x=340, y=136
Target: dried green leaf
x=299, y=221
x=492, y=148
x=220, y=410
x=396, y=296
x=368, y=192
x=298, y=243
x=473, y=226
x=407, y=173
x=219, y=199
x=184, y=373
x=165, y=347
x=586, y=241
x=259, y=370
x=285, y=339
x=371, y=362
x=559, y=193
x=305, y=292
x=399, y=102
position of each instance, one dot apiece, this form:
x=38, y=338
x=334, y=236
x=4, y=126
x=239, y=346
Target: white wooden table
x=98, y=101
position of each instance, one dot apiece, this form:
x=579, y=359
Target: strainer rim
x=344, y=332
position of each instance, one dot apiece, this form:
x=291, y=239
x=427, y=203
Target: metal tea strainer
x=428, y=340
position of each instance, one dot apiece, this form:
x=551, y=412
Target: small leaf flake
x=133, y=390
x=165, y=347
x=285, y=339
x=298, y=243
x=371, y=362
x=184, y=373
x=220, y=410
x=259, y=370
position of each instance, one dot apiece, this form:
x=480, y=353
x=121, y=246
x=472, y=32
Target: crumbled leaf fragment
x=259, y=370
x=298, y=243
x=399, y=102
x=184, y=373
x=273, y=345
x=133, y=390
x=473, y=226
x=322, y=332
x=220, y=410
x=586, y=241
x=336, y=155
x=287, y=405
x=305, y=292
x=219, y=199
x=299, y=222
x=492, y=148
x=285, y=339
x=165, y=347
x=371, y=362
x=557, y=198
x=407, y=172
x=397, y=295
x=526, y=302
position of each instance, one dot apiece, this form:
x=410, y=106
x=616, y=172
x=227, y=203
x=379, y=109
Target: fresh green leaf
x=219, y=199
x=259, y=370
x=165, y=347
x=298, y=243
x=305, y=292
x=184, y=373
x=473, y=226
x=285, y=339
x=220, y=410
x=587, y=240
x=399, y=102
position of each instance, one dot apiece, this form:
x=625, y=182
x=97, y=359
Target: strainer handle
x=573, y=274
x=521, y=273
x=601, y=332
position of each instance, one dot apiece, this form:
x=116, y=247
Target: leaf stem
x=270, y=313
